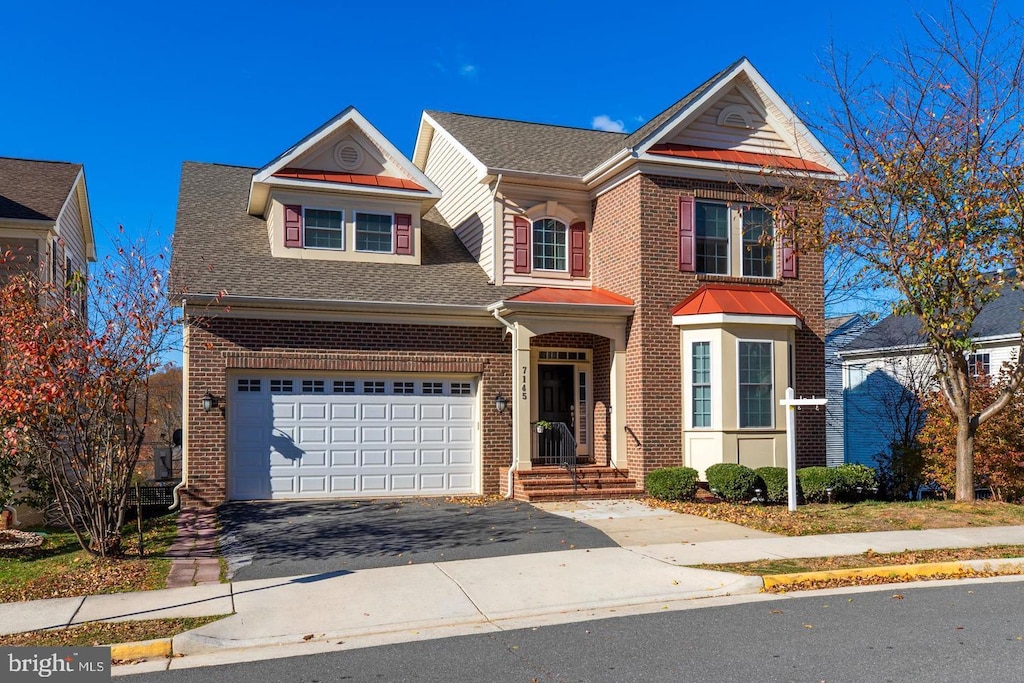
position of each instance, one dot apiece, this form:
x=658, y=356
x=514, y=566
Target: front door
x=556, y=405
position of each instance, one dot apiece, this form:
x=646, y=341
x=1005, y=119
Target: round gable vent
x=348, y=155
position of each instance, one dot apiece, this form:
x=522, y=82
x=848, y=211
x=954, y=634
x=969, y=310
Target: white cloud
x=468, y=70
x=605, y=122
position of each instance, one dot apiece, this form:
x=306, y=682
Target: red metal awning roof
x=557, y=295
x=732, y=300
x=349, y=179
x=737, y=157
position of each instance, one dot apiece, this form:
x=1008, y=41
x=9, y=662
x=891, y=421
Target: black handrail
x=556, y=445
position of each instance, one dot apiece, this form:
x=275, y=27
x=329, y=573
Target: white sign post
x=792, y=404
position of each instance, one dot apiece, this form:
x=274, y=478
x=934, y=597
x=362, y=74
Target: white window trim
x=533, y=246
x=730, y=210
x=774, y=402
x=323, y=208
x=711, y=383
x=774, y=245
x=355, y=231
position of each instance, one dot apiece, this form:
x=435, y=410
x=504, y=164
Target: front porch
x=566, y=411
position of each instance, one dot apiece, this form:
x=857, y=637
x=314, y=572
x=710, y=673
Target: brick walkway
x=194, y=553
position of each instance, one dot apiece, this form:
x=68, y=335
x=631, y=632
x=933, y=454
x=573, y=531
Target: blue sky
x=133, y=89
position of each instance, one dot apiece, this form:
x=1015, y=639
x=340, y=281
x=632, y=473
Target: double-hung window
x=755, y=384
x=758, y=243
x=701, y=356
x=978, y=365
x=374, y=232
x=549, y=245
x=324, y=229
x=712, y=238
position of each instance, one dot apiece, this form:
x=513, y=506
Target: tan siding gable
x=72, y=233
x=761, y=137
x=465, y=202
x=348, y=142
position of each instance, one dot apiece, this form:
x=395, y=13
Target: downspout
x=509, y=327
x=176, y=496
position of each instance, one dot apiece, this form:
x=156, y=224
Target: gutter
x=175, y=492
x=340, y=304
x=510, y=327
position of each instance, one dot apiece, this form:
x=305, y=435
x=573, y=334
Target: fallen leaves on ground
x=474, y=501
x=852, y=517
x=106, y=633
x=877, y=580
x=85, y=577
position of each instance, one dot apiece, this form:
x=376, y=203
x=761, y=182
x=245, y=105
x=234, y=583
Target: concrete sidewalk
x=442, y=599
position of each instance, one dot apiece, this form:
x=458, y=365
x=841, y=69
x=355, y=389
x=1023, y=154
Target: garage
x=351, y=436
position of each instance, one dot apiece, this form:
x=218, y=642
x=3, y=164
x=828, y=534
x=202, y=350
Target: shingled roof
x=531, y=147
x=1001, y=317
x=219, y=247
x=35, y=190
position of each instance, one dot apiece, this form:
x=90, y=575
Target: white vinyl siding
x=465, y=202
x=704, y=131
x=71, y=232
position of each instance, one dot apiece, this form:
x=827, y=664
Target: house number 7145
x=524, y=382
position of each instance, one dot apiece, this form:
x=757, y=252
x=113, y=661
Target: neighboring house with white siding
x=885, y=369
x=45, y=221
x=839, y=331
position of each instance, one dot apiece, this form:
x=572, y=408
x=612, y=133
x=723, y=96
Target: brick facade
x=219, y=345
x=634, y=242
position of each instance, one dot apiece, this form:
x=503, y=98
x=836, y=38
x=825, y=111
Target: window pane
x=373, y=232
x=755, y=390
x=758, y=247
x=701, y=384
x=549, y=239
x=712, y=231
x=323, y=229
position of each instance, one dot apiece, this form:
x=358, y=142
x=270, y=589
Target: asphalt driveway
x=262, y=540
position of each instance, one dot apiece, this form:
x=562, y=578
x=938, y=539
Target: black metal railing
x=556, y=445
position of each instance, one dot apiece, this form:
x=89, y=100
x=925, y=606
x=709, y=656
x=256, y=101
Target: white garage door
x=357, y=437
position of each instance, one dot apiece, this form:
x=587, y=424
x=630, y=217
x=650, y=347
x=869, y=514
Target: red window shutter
x=521, y=259
x=578, y=249
x=293, y=226
x=687, y=236
x=787, y=248
x=403, y=233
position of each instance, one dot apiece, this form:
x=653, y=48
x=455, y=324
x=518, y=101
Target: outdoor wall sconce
x=500, y=403
x=209, y=402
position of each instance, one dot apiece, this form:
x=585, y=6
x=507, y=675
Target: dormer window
x=549, y=245
x=374, y=232
x=324, y=229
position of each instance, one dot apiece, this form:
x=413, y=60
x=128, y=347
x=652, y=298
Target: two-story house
x=45, y=222
x=361, y=324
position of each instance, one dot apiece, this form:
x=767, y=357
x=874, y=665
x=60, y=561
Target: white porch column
x=522, y=396
x=617, y=419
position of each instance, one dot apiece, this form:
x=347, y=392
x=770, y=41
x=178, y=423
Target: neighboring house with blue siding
x=885, y=369
x=839, y=332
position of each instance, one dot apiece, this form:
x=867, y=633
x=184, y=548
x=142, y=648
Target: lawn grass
x=854, y=517
x=106, y=632
x=868, y=559
x=60, y=568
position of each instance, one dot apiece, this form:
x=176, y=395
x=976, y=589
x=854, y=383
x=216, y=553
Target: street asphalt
x=281, y=539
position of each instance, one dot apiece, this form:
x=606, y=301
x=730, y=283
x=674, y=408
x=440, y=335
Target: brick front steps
x=555, y=483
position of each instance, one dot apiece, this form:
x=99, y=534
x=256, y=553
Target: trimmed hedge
x=843, y=481
x=672, y=483
x=732, y=482
x=776, y=483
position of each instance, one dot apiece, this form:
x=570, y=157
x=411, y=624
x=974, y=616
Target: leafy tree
x=934, y=204
x=999, y=448
x=74, y=391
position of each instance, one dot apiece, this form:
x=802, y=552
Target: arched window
x=549, y=245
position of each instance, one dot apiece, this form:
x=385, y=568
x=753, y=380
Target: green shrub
x=732, y=482
x=776, y=483
x=853, y=477
x=672, y=483
x=816, y=481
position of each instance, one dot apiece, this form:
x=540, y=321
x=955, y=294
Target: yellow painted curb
x=145, y=649
x=901, y=570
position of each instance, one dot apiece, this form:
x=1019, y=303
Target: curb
x=965, y=569
x=143, y=649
